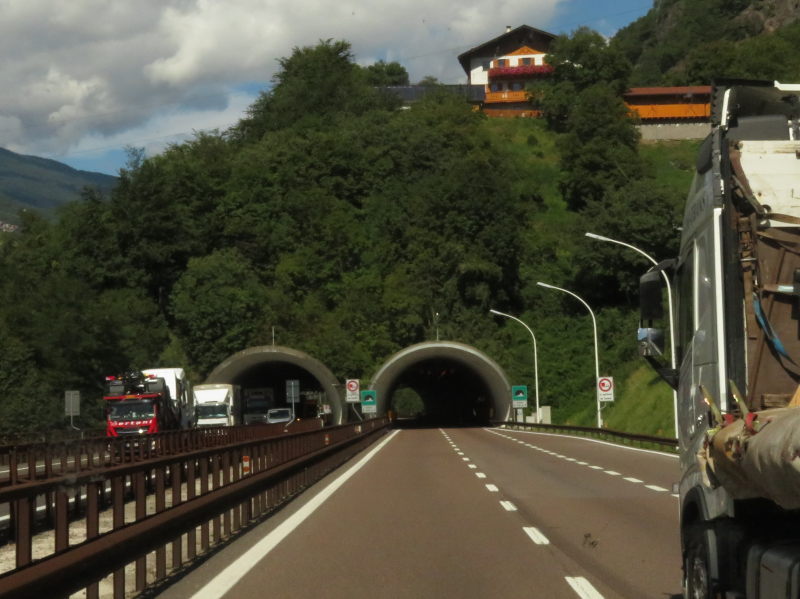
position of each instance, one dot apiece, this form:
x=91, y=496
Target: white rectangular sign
x=72, y=403
x=292, y=391
x=352, y=391
x=605, y=388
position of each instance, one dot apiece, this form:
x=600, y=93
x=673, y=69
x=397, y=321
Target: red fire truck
x=138, y=404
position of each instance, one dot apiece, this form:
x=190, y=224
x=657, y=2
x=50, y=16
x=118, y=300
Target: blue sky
x=92, y=78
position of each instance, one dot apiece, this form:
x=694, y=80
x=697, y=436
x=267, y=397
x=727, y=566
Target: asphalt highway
x=465, y=512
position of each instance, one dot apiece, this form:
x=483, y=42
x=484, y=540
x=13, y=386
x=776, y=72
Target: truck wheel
x=697, y=570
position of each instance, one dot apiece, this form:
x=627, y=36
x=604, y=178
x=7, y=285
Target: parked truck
x=736, y=285
x=138, y=404
x=215, y=404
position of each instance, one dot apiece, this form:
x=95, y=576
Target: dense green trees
x=692, y=42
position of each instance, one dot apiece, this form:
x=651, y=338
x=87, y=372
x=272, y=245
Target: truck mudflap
x=757, y=455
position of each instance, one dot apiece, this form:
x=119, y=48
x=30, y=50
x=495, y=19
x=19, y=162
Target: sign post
x=605, y=389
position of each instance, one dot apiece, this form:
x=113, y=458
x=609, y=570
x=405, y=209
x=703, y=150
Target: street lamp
x=535, y=361
x=664, y=276
x=596, y=355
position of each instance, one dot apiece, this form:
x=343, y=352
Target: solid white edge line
x=536, y=535
x=583, y=587
x=225, y=580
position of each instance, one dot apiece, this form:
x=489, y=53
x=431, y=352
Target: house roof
x=508, y=42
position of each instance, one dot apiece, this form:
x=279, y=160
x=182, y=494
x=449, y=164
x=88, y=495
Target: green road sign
x=519, y=396
x=369, y=401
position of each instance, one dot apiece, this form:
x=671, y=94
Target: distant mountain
x=33, y=183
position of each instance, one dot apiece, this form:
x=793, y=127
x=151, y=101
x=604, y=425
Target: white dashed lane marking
x=655, y=488
x=508, y=506
x=492, y=488
x=583, y=587
x=536, y=535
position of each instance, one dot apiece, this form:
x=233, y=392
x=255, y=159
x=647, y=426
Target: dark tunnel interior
x=451, y=393
x=270, y=380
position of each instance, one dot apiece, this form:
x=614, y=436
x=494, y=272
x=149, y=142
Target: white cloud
x=86, y=72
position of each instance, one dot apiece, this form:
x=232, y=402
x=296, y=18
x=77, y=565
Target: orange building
x=505, y=65
x=670, y=104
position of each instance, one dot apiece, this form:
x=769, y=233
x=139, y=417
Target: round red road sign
x=604, y=384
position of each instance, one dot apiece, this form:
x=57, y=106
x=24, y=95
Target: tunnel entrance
x=448, y=391
x=263, y=372
x=448, y=383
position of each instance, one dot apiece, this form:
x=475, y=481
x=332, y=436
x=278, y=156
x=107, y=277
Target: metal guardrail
x=40, y=461
x=663, y=443
x=170, y=498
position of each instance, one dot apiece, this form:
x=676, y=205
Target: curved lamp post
x=669, y=310
x=596, y=355
x=535, y=360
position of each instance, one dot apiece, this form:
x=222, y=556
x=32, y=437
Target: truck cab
x=215, y=404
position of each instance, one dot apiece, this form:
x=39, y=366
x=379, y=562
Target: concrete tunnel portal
x=270, y=366
x=458, y=384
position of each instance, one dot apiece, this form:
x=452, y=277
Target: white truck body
x=737, y=288
x=179, y=391
x=215, y=404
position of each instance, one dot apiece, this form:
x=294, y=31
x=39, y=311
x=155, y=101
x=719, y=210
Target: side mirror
x=651, y=303
x=650, y=342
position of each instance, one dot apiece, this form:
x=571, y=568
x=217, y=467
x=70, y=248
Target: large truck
x=256, y=403
x=138, y=404
x=736, y=282
x=215, y=404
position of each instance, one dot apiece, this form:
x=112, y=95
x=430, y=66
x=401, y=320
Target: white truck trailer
x=215, y=404
x=180, y=391
x=737, y=333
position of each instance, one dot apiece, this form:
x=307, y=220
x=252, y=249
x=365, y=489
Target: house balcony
x=522, y=71
x=506, y=96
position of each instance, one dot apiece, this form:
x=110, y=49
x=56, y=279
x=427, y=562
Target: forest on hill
x=345, y=225
x=692, y=42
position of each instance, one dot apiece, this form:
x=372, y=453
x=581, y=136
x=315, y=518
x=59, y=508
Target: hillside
x=688, y=42
x=29, y=182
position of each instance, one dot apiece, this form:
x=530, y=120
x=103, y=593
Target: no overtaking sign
x=352, y=387
x=605, y=388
